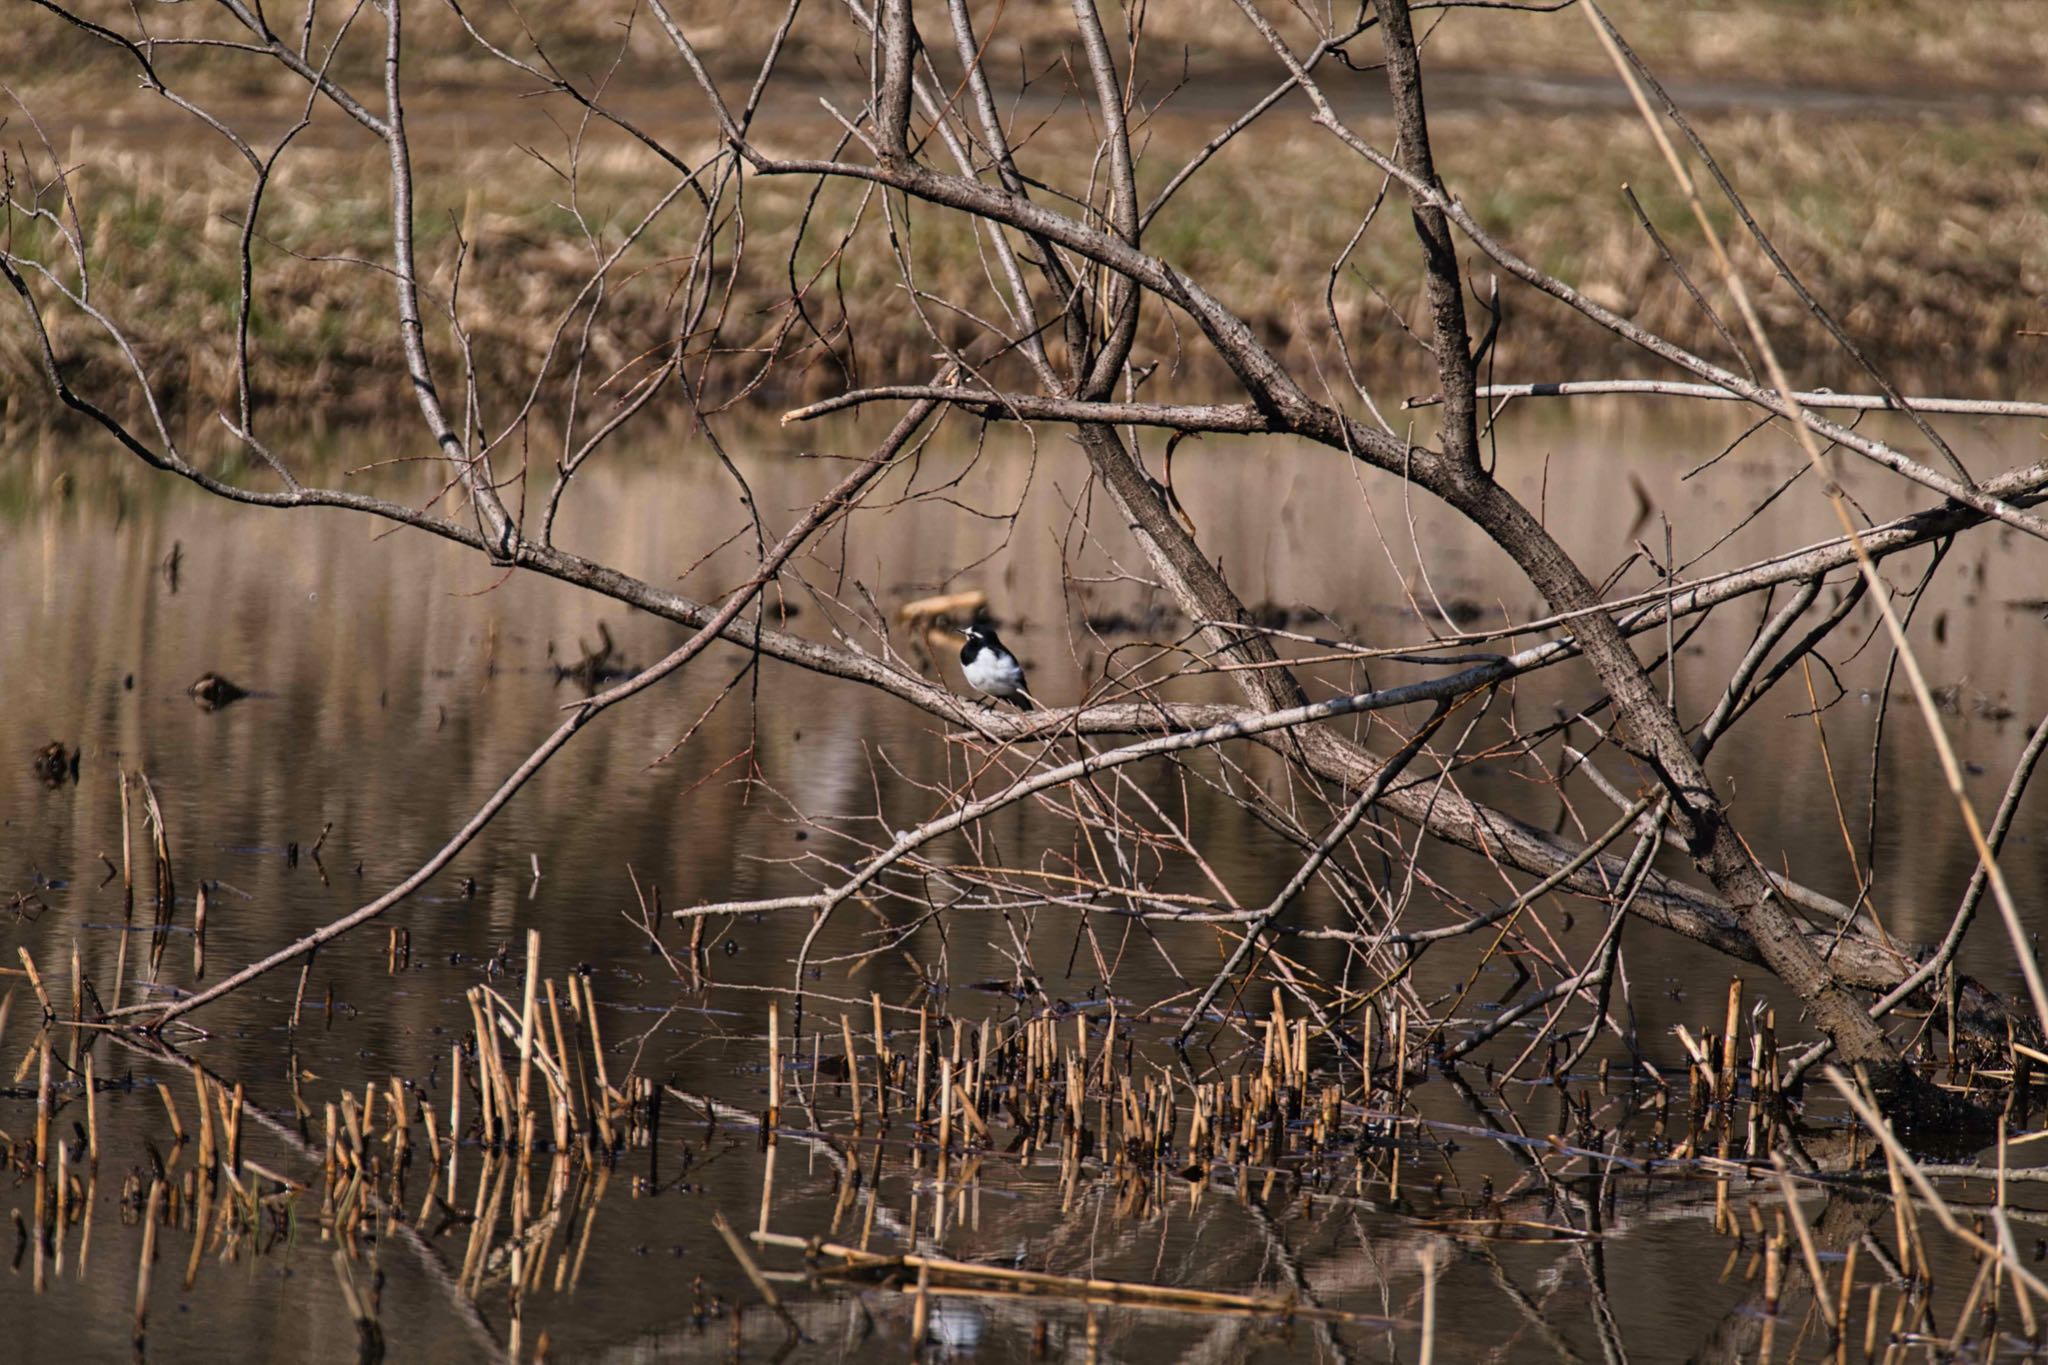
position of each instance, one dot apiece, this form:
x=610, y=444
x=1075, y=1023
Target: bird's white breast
x=996, y=673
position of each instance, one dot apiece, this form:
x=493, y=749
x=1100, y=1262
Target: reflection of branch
x=910, y=840
x=1337, y=835
x=581, y=714
x=2001, y=825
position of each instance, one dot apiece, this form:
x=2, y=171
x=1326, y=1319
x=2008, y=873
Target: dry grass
x=1898, y=46
x=1921, y=232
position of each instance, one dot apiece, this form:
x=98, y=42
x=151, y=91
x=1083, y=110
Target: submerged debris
x=1272, y=615
x=54, y=764
x=597, y=666
x=212, y=692
x=1112, y=621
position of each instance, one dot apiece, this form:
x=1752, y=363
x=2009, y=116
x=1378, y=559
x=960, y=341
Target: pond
x=393, y=681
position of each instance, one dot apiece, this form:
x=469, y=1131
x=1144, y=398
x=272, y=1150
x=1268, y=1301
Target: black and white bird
x=992, y=669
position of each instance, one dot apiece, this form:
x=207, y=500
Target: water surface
x=395, y=680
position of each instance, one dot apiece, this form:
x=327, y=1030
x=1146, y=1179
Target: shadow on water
x=516, y=1111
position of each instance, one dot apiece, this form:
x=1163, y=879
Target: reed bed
x=494, y=1171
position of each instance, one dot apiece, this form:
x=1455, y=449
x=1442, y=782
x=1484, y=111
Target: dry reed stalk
x=921, y=1311
x=495, y=1179
x=1724, y=1080
x=1365, y=1030
x=571, y=1044
x=515, y=1284
x=1752, y=1131
x=753, y=1271
x=43, y=1173
x=486, y=1110
x=603, y=1109
x=77, y=1013
x=565, y=1107
x=231, y=1103
x=63, y=1202
x=501, y=1019
x=1899, y=1311
x=2028, y=1320
x=401, y=1128
x=433, y=1136
x=1122, y=1291
x=454, y=1107
x=945, y=1126
x=353, y=1121
x=774, y=1070
x=852, y=1068
x=156, y=1191
x=968, y=1115
x=1429, y=1273
x=594, y=1200
x=982, y=1061
x=523, y=1193
x=770, y=1150
x=171, y=1108
x=1400, y=1058
x=199, y=935
x=329, y=1161
x=1807, y=1249
x=883, y=1063
x=923, y=1049
x=526, y=1011
x=166, y=882
x=206, y=1144
x=35, y=981
x=1771, y=1079
x=1998, y=1215
x=504, y=1108
x=262, y=1172
x=201, y=1218
x=45, y=1110
x=881, y=1034
x=1969, y=1308
x=127, y=900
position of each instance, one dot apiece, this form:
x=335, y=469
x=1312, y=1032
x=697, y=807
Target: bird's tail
x=1020, y=701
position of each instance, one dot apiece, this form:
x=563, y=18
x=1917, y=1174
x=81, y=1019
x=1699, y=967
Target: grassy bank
x=1922, y=231
x=1902, y=47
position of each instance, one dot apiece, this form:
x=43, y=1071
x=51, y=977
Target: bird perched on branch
x=992, y=669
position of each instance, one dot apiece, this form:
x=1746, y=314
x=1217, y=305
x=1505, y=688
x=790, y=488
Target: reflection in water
x=385, y=683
